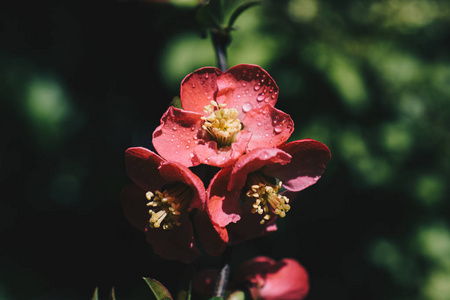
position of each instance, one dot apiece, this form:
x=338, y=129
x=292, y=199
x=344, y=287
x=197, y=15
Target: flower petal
x=307, y=165
x=176, y=243
x=249, y=226
x=246, y=87
x=254, y=161
x=199, y=88
x=142, y=166
x=173, y=172
x=286, y=279
x=134, y=204
x=209, y=154
x=178, y=134
x=271, y=127
x=223, y=206
x=212, y=238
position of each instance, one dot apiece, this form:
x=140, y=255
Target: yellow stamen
x=166, y=206
x=222, y=123
x=268, y=200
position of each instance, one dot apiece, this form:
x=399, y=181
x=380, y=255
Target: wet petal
x=271, y=127
x=142, y=166
x=306, y=167
x=134, y=204
x=223, y=205
x=254, y=161
x=176, y=243
x=199, y=88
x=209, y=154
x=173, y=172
x=180, y=131
x=246, y=87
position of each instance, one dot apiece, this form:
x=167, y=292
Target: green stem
x=221, y=40
x=224, y=274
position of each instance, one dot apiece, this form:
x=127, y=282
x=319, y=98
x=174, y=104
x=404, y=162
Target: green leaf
x=95, y=296
x=240, y=10
x=236, y=295
x=216, y=298
x=206, y=17
x=189, y=292
x=161, y=293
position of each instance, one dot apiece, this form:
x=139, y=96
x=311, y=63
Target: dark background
x=79, y=84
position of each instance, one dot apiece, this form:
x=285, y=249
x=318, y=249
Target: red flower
x=245, y=199
x=270, y=280
x=225, y=114
x=159, y=202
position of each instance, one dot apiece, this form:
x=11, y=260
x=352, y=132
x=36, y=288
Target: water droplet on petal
x=193, y=128
x=260, y=97
x=257, y=87
x=206, y=76
x=246, y=107
x=174, y=128
x=244, y=84
x=187, y=146
x=278, y=128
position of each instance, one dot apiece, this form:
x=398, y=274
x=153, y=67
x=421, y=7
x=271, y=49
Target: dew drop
x=246, y=107
x=189, y=141
x=193, y=86
x=193, y=128
x=206, y=76
x=171, y=140
x=278, y=128
x=257, y=87
x=244, y=84
x=174, y=128
x=187, y=146
x=260, y=97
x=259, y=123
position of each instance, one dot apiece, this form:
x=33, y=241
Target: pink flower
x=159, y=204
x=225, y=115
x=267, y=279
x=245, y=199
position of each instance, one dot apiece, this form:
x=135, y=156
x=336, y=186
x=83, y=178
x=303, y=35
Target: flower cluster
x=228, y=121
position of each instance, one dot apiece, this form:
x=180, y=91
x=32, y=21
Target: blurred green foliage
x=371, y=79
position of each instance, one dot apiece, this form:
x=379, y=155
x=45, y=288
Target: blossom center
x=167, y=206
x=267, y=199
x=222, y=123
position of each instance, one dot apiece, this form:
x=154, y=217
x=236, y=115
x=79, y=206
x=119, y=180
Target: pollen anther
x=267, y=199
x=222, y=123
x=166, y=206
